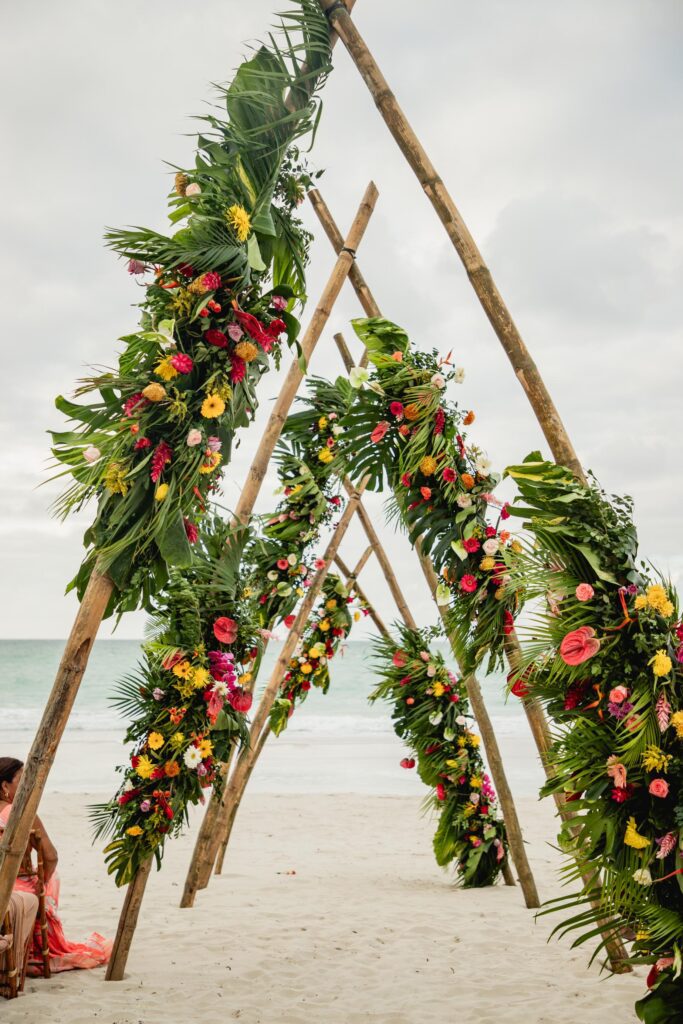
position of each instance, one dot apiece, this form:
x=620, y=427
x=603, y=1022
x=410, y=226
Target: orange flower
x=246, y=351
x=412, y=411
x=469, y=418
x=397, y=357
x=504, y=536
x=467, y=481
x=172, y=768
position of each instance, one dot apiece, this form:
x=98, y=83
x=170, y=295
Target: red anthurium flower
x=241, y=700
x=289, y=621
x=579, y=645
x=408, y=762
x=225, y=630
x=379, y=431
x=440, y=791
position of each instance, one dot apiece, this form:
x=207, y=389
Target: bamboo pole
x=372, y=611
x=245, y=764
x=128, y=922
x=245, y=506
x=57, y=710
x=478, y=273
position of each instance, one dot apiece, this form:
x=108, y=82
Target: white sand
x=369, y=929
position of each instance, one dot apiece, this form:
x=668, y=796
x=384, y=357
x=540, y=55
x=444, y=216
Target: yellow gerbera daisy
x=212, y=407
x=155, y=741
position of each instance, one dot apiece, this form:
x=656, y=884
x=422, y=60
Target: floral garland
x=431, y=713
x=186, y=703
x=329, y=626
x=403, y=432
x=605, y=657
x=148, y=448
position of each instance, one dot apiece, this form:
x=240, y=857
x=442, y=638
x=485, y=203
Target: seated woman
x=23, y=907
x=64, y=955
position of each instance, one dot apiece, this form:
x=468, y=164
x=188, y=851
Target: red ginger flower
x=162, y=456
x=211, y=281
x=191, y=531
x=143, y=442
x=238, y=369
x=439, y=421
x=135, y=403
x=181, y=362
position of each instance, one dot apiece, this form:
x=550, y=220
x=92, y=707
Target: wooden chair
x=9, y=981
x=29, y=870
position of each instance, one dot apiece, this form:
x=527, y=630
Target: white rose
x=490, y=546
x=464, y=500
x=459, y=375
x=438, y=380
x=461, y=720
x=193, y=189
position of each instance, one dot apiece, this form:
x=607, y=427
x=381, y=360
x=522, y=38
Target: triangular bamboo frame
x=92, y=608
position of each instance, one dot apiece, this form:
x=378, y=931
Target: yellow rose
x=306, y=668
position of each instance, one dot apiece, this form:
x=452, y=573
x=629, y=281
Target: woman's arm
x=50, y=856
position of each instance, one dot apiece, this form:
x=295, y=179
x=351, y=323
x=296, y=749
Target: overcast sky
x=557, y=128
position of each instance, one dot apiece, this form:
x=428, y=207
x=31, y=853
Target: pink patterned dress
x=64, y=955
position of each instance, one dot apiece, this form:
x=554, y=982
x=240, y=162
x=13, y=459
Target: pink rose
x=579, y=645
x=278, y=302
x=584, y=592
x=194, y=437
x=618, y=695
x=282, y=563
x=659, y=788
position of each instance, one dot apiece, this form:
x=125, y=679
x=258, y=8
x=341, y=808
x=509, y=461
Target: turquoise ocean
x=337, y=742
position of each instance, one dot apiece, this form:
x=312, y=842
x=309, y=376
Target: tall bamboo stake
x=249, y=755
x=478, y=273
x=243, y=512
x=535, y=715
x=56, y=715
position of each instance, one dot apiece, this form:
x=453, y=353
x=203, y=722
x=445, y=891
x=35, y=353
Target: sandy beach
x=369, y=929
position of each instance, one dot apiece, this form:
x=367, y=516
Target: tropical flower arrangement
x=328, y=627
x=216, y=304
x=603, y=652
x=403, y=431
x=186, y=703
x=431, y=714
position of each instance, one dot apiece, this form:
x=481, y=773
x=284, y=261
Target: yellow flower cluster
x=165, y=369
x=325, y=456
x=677, y=722
x=633, y=838
x=190, y=679
x=656, y=597
x=428, y=466
x=661, y=664
x=239, y=220
x=655, y=760
x=115, y=479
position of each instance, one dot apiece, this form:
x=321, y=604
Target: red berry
x=204, y=312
